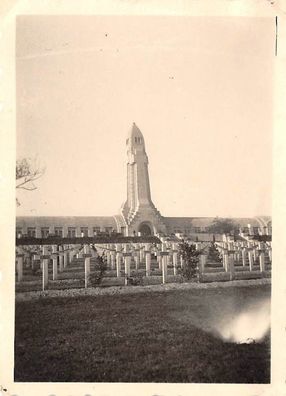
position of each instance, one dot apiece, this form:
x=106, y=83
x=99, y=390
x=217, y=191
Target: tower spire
x=138, y=204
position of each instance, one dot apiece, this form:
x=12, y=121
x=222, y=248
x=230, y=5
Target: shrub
x=36, y=270
x=96, y=276
x=191, y=258
x=135, y=279
x=214, y=254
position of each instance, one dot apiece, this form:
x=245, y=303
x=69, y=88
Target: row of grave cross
x=117, y=255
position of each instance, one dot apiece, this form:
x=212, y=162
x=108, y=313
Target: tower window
x=135, y=139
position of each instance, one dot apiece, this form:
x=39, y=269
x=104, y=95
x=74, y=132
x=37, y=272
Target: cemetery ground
x=171, y=336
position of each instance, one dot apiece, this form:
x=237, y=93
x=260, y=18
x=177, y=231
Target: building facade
x=138, y=215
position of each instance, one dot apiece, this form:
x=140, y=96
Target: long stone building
x=138, y=215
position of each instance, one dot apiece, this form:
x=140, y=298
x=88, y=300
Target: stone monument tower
x=139, y=213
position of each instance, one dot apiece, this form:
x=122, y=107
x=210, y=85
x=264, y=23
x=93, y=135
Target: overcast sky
x=199, y=89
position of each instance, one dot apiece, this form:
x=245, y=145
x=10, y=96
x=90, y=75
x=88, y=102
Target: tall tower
x=139, y=212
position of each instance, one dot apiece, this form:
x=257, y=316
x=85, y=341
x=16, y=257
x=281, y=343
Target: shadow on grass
x=134, y=338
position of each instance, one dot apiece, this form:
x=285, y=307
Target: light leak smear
x=250, y=325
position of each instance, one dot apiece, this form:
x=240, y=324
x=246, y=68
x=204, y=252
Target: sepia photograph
x=142, y=230
x=143, y=193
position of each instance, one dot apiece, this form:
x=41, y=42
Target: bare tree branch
x=27, y=171
x=28, y=180
x=31, y=188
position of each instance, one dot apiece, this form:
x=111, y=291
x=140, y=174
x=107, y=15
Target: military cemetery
x=66, y=266
x=142, y=295
x=144, y=252
x=159, y=260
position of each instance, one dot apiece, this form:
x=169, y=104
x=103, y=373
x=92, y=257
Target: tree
x=222, y=226
x=28, y=171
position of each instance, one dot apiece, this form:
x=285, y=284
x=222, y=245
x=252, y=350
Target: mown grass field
x=148, y=337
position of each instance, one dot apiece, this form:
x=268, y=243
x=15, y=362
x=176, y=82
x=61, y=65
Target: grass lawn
x=147, y=337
